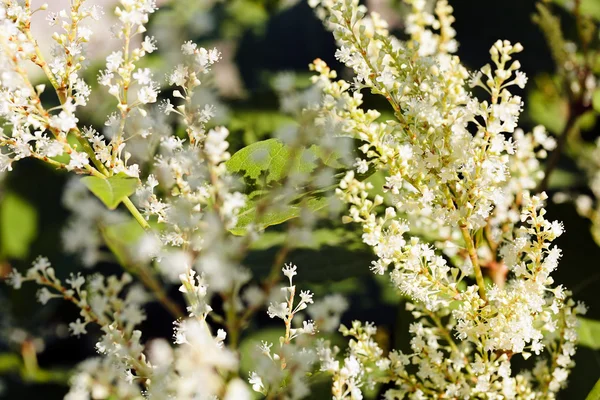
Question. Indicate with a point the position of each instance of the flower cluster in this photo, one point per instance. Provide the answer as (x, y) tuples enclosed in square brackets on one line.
[(449, 168), (35, 131), (100, 303), (282, 371), (188, 371), (456, 221)]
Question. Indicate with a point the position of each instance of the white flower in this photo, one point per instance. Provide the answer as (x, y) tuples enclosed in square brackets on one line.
[(15, 279), (52, 18), (78, 327), (63, 121), (114, 61), (179, 75), (147, 94), (43, 295), (5, 163), (306, 297), (521, 79), (78, 160), (188, 48), (289, 270), (215, 145), (557, 228), (76, 281), (279, 310), (361, 166), (96, 12), (149, 44), (143, 76), (308, 327), (256, 382)]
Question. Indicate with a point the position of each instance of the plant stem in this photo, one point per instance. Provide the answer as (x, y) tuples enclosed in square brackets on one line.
[(232, 323), (474, 260), (151, 283), (136, 213)]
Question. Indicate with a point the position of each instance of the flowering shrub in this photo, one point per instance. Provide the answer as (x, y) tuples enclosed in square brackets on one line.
[(456, 219)]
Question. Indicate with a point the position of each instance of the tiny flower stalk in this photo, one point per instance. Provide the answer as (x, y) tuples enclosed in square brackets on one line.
[(30, 361)]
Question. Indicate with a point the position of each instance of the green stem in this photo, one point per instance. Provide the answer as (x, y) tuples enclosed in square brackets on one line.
[(136, 214), (232, 324), (153, 284), (474, 260)]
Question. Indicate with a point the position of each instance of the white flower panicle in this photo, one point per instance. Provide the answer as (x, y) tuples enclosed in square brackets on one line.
[(197, 361), (284, 369), (457, 224), (42, 133), (100, 302), (450, 171), (33, 130), (197, 168)]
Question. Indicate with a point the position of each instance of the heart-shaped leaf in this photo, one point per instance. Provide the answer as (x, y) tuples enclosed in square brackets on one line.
[(112, 190)]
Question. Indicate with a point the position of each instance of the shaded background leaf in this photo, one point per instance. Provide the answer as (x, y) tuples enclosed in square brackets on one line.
[(18, 226)]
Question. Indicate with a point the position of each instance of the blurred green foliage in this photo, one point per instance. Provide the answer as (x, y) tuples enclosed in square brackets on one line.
[(18, 226)]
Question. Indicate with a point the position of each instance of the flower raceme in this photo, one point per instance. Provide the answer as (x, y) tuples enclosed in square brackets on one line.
[(451, 170)]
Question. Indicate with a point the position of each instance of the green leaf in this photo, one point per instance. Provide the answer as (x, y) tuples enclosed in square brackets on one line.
[(121, 237), (18, 221), (320, 237), (258, 157), (595, 393), (258, 124), (590, 8), (546, 107), (596, 100), (274, 217), (271, 158), (112, 190), (589, 333)]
